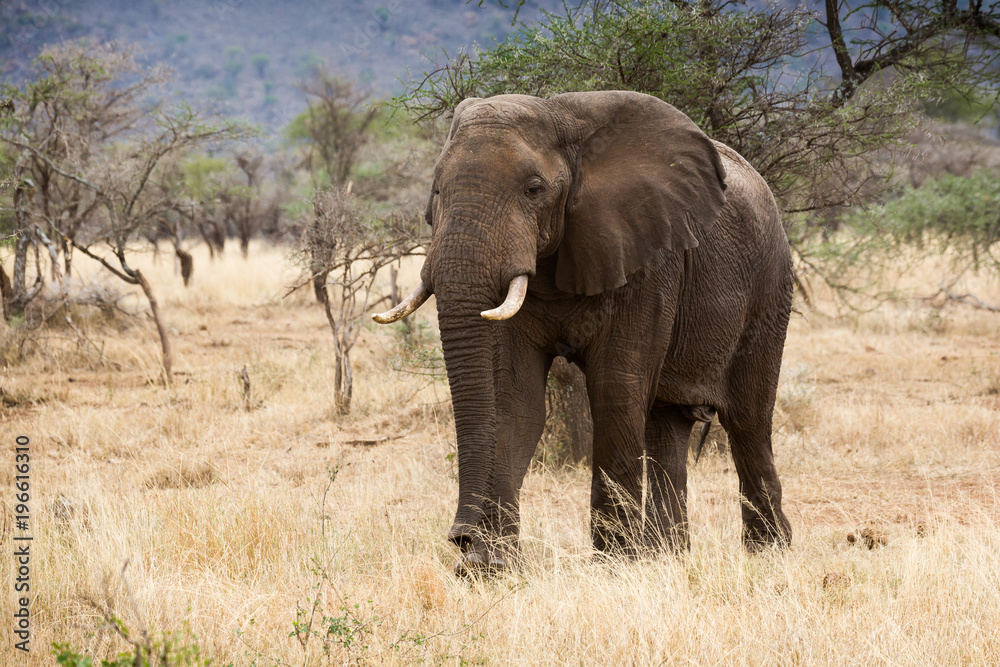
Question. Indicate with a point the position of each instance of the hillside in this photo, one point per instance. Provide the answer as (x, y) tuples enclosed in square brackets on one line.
[(243, 57)]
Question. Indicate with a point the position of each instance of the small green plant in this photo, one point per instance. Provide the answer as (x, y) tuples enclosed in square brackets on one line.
[(70, 658), (350, 628), (344, 631), (176, 649), (171, 650), (425, 362)]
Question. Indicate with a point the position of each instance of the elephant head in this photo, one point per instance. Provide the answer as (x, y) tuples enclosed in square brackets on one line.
[(600, 182)]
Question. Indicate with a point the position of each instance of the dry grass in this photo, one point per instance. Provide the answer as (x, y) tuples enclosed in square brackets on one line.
[(887, 432)]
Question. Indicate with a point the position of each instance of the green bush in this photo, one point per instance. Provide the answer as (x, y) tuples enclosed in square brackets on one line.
[(172, 650), (951, 212)]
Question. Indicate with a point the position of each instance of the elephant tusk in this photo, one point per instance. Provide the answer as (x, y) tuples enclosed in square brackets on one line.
[(405, 307), (515, 297)]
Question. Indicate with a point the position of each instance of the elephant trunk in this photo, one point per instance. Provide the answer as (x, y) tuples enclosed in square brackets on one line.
[(476, 276), (468, 353)]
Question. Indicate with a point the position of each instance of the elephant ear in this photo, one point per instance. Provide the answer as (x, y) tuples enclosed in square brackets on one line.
[(646, 179)]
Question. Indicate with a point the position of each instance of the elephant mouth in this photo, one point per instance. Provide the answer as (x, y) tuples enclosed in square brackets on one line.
[(516, 292)]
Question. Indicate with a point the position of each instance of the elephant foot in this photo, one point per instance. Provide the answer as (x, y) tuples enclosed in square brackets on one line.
[(486, 550), (626, 546), (473, 565), (760, 535)]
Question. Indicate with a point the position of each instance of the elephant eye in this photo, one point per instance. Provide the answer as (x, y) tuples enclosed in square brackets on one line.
[(534, 187)]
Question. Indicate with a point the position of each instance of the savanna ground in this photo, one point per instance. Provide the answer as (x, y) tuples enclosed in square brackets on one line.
[(887, 437)]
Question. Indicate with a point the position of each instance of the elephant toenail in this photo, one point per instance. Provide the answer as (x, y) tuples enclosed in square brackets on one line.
[(470, 565)]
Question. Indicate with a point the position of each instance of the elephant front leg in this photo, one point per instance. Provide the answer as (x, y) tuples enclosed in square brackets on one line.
[(520, 420), (667, 433)]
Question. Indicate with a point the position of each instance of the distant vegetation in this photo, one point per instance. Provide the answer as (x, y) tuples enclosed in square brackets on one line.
[(827, 145), (99, 158), (93, 168)]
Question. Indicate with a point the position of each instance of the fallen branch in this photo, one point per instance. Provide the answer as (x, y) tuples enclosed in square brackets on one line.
[(375, 441), (968, 299)]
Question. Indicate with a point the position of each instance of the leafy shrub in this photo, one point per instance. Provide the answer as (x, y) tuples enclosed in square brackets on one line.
[(172, 650), (951, 212)]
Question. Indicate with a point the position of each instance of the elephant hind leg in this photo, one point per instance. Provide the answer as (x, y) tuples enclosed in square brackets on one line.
[(747, 419), (764, 522), (668, 428)]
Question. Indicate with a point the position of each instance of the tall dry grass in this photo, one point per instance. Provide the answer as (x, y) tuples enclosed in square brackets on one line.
[(887, 440)]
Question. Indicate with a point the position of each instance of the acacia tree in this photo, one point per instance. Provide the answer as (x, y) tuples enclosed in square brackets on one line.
[(334, 126), (345, 249), (89, 135), (219, 200), (763, 79), (7, 226), (76, 104), (247, 218), (344, 244)]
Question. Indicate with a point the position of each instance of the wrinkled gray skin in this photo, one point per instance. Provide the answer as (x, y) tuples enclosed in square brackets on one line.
[(657, 263)]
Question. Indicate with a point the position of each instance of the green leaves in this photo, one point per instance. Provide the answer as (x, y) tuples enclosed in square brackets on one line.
[(171, 650), (950, 212)]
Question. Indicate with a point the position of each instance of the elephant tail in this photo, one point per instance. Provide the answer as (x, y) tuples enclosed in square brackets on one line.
[(704, 435)]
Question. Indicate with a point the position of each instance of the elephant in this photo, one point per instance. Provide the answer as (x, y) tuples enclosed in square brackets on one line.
[(613, 232)]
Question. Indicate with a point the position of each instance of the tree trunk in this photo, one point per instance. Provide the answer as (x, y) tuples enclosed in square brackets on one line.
[(211, 248), (187, 264), (569, 428), (246, 228), (15, 305), (6, 292), (343, 378), (343, 381), (67, 249), (393, 287), (160, 326), (394, 300)]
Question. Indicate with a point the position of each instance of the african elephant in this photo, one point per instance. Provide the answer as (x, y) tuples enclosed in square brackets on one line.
[(613, 232)]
